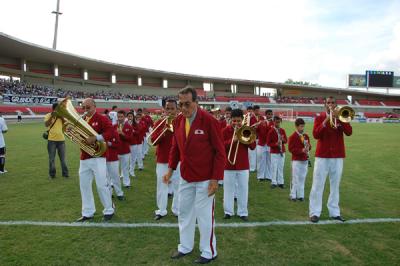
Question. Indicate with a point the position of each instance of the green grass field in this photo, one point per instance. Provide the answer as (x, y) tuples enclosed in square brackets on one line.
[(370, 188)]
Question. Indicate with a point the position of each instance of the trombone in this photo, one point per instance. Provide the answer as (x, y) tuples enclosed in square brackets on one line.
[(344, 113), (167, 124), (246, 134)]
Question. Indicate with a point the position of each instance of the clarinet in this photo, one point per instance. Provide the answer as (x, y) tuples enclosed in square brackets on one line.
[(306, 146), (279, 141)]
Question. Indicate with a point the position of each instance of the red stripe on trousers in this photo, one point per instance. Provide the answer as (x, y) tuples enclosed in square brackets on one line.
[(212, 230)]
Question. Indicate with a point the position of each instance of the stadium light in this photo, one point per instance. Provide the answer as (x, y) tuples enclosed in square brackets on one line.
[(57, 13)]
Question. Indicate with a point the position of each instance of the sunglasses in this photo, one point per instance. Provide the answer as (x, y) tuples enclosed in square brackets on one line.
[(330, 102)]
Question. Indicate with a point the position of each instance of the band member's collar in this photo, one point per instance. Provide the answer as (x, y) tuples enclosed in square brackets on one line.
[(191, 119), (87, 118)]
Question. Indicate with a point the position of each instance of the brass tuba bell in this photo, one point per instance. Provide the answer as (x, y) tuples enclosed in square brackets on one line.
[(77, 129)]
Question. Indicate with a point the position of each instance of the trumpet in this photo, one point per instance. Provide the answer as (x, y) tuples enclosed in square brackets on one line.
[(307, 146), (167, 124), (246, 134), (344, 113)]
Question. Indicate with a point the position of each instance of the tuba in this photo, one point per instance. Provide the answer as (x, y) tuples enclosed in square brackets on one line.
[(344, 113), (246, 134), (77, 129)]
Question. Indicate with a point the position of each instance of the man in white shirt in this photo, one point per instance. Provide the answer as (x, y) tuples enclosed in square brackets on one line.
[(113, 115), (3, 129)]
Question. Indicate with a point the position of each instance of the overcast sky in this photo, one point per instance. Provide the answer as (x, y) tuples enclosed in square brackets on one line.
[(316, 41)]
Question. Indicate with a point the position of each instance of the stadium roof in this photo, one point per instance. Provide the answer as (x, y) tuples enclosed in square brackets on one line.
[(14, 47)]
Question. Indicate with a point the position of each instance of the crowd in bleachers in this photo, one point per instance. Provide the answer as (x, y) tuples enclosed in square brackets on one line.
[(20, 88), (286, 99)]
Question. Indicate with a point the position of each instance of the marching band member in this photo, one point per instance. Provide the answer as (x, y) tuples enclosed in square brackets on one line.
[(198, 145), (269, 124), (252, 153), (237, 173), (227, 115), (329, 156), (95, 167), (276, 139), (135, 144), (163, 143), (149, 123), (262, 132), (125, 132), (113, 167), (142, 134), (299, 146)]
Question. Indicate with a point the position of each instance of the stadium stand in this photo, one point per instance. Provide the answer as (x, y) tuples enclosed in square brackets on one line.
[(369, 102), (391, 103)]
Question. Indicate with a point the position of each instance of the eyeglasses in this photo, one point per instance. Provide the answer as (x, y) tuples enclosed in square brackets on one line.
[(330, 102), (85, 107), (184, 104)]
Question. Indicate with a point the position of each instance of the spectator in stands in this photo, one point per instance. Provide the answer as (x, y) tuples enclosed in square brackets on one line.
[(55, 143), (21, 88)]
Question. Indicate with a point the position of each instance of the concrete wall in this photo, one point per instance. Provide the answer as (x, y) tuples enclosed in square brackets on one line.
[(222, 87), (152, 82), (248, 89), (40, 68)]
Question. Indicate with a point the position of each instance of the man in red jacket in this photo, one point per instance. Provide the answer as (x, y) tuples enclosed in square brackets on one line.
[(135, 144), (329, 156), (163, 143), (252, 153), (198, 145), (125, 132), (299, 146), (276, 139), (149, 123), (237, 173), (95, 167), (263, 156)]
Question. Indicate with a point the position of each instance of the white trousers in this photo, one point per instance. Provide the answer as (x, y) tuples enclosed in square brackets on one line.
[(231, 178), (196, 205), (299, 173), (322, 168), (162, 190), (175, 181), (145, 145), (124, 162), (89, 169), (136, 156), (277, 164), (252, 159), (268, 166), (261, 162), (113, 177)]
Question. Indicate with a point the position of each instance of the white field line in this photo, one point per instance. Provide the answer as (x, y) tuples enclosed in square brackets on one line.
[(174, 225)]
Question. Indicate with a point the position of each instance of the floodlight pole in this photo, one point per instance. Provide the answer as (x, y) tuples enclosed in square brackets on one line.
[(57, 13)]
